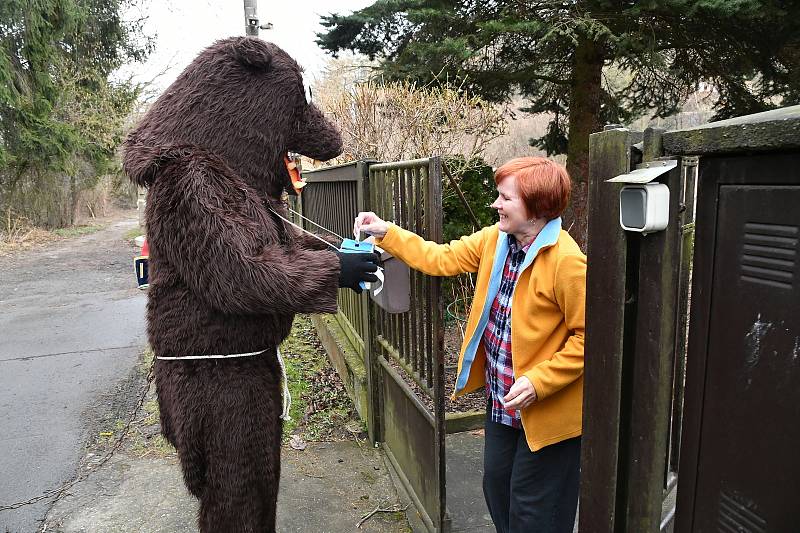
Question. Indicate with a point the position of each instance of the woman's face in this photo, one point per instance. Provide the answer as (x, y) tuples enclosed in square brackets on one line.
[(509, 205)]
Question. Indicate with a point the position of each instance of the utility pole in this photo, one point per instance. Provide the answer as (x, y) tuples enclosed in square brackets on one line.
[(251, 24)]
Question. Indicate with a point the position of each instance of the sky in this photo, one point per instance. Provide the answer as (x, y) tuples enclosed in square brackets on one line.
[(184, 27)]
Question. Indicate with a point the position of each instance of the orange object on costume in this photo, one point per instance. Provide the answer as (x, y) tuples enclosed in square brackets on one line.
[(294, 174)]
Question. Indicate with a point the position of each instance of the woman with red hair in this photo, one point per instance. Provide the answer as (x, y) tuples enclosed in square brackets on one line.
[(529, 361)]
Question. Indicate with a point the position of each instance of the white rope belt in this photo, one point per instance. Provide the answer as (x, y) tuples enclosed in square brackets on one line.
[(248, 354), (287, 396)]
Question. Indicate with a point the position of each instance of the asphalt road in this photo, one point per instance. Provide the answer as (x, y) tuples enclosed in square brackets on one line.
[(71, 331)]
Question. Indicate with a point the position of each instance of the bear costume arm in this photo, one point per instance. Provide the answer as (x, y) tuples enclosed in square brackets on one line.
[(226, 246)]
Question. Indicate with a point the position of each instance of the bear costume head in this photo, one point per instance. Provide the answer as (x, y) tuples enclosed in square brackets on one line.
[(243, 100)]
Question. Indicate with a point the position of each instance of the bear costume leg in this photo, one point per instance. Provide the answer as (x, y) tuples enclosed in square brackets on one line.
[(225, 418), (182, 425)]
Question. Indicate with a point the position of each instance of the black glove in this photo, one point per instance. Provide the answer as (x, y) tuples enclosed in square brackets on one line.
[(357, 267)]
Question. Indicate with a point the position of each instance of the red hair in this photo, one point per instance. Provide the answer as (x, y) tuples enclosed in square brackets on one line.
[(543, 184)]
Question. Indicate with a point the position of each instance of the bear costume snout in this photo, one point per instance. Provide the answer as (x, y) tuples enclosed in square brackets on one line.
[(314, 137)]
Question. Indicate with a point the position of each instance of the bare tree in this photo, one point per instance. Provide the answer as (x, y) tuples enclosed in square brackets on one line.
[(401, 120)]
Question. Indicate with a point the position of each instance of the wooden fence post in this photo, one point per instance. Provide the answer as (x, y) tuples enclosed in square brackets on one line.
[(609, 156), (653, 353), (632, 283)]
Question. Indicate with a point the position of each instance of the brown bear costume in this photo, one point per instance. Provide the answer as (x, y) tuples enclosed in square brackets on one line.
[(227, 275)]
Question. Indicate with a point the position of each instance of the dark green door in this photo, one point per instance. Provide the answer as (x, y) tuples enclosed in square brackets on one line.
[(744, 430)]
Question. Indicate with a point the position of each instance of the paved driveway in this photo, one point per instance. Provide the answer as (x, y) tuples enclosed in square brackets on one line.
[(71, 331)]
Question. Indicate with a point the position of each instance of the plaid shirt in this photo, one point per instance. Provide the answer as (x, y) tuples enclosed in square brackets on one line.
[(497, 339)]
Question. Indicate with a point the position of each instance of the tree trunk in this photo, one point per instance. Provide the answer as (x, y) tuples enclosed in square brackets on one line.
[(73, 198), (584, 119)]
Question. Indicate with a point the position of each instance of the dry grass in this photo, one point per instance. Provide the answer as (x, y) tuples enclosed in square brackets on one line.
[(17, 234)]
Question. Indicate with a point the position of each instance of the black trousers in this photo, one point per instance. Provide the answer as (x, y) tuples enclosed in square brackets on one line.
[(530, 492)]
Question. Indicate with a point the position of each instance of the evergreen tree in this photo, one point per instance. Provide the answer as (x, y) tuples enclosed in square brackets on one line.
[(558, 54), (60, 115)]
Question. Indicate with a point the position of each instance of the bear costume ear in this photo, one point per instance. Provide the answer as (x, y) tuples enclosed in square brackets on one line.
[(252, 53)]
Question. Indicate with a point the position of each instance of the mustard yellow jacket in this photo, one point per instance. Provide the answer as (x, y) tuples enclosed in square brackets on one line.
[(547, 318)]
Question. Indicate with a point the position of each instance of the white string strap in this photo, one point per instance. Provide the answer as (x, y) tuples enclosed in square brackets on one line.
[(378, 273), (287, 396), (304, 230), (313, 223)]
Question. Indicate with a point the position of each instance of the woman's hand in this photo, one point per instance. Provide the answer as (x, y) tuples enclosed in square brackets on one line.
[(521, 394), (371, 224)]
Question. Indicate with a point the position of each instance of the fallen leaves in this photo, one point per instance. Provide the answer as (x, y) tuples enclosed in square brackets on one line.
[(296, 442)]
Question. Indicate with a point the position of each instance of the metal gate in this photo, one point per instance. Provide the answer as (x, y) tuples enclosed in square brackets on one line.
[(392, 364), (407, 356)]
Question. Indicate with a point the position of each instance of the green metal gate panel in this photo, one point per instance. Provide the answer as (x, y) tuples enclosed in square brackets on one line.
[(408, 348)]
